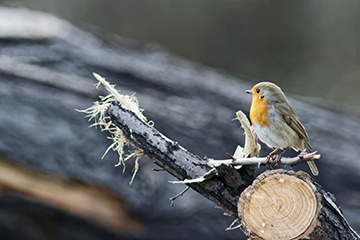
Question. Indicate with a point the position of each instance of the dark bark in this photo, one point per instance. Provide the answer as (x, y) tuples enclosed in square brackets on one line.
[(226, 187), (43, 80), (333, 223)]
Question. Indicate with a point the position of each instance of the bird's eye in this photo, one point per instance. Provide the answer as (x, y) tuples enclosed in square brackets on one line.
[(257, 90)]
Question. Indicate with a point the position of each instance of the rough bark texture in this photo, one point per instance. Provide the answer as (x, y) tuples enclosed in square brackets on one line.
[(224, 189), (333, 223), (189, 103)]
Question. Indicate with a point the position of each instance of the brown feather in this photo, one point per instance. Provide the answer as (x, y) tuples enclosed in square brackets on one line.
[(283, 108), (286, 110)]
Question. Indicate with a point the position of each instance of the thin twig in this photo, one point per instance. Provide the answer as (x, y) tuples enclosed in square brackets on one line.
[(158, 169), (172, 199), (302, 157)]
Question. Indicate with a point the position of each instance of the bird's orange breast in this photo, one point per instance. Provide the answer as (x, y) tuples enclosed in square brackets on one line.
[(259, 111)]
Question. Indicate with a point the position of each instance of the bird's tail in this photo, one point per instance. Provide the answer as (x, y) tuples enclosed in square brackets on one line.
[(311, 164), (313, 168), (308, 147)]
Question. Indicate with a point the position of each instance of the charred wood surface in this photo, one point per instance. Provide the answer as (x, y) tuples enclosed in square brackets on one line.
[(189, 103), (224, 189)]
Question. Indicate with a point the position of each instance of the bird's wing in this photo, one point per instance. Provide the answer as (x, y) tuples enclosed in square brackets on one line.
[(285, 111)]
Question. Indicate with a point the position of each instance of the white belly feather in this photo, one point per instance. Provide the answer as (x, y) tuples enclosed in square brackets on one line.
[(278, 134)]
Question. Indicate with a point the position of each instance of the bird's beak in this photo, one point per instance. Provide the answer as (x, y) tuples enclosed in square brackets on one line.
[(249, 91)]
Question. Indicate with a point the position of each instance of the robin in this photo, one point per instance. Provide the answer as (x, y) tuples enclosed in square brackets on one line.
[(276, 122)]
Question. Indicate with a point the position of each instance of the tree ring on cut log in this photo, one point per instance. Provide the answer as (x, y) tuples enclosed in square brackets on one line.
[(280, 205)]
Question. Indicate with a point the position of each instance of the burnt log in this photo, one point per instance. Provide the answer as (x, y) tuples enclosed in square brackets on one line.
[(46, 73), (279, 204)]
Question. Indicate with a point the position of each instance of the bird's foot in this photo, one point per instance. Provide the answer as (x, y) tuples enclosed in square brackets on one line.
[(268, 158), (271, 156), (277, 159)]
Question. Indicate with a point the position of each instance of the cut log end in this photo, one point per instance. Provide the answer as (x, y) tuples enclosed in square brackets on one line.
[(280, 205)]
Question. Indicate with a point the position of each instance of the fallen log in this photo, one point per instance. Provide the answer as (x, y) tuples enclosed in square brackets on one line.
[(79, 199), (46, 74), (279, 204)]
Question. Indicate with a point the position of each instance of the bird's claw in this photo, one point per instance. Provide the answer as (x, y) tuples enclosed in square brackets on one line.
[(277, 160), (268, 158)]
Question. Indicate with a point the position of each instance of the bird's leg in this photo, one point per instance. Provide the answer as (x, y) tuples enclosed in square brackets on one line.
[(271, 155), (277, 160), (232, 157)]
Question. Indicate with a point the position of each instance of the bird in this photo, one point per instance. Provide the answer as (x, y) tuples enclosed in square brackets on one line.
[(276, 123)]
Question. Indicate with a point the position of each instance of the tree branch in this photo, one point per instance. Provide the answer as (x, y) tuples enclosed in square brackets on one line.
[(224, 189), (302, 157), (219, 181), (221, 184)]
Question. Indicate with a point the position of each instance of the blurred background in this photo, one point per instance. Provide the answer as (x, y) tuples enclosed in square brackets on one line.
[(309, 48)]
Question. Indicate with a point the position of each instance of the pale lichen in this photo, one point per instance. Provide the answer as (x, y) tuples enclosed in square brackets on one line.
[(98, 112), (128, 102)]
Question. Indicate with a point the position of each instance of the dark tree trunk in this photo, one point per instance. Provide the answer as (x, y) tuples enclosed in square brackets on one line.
[(45, 74)]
